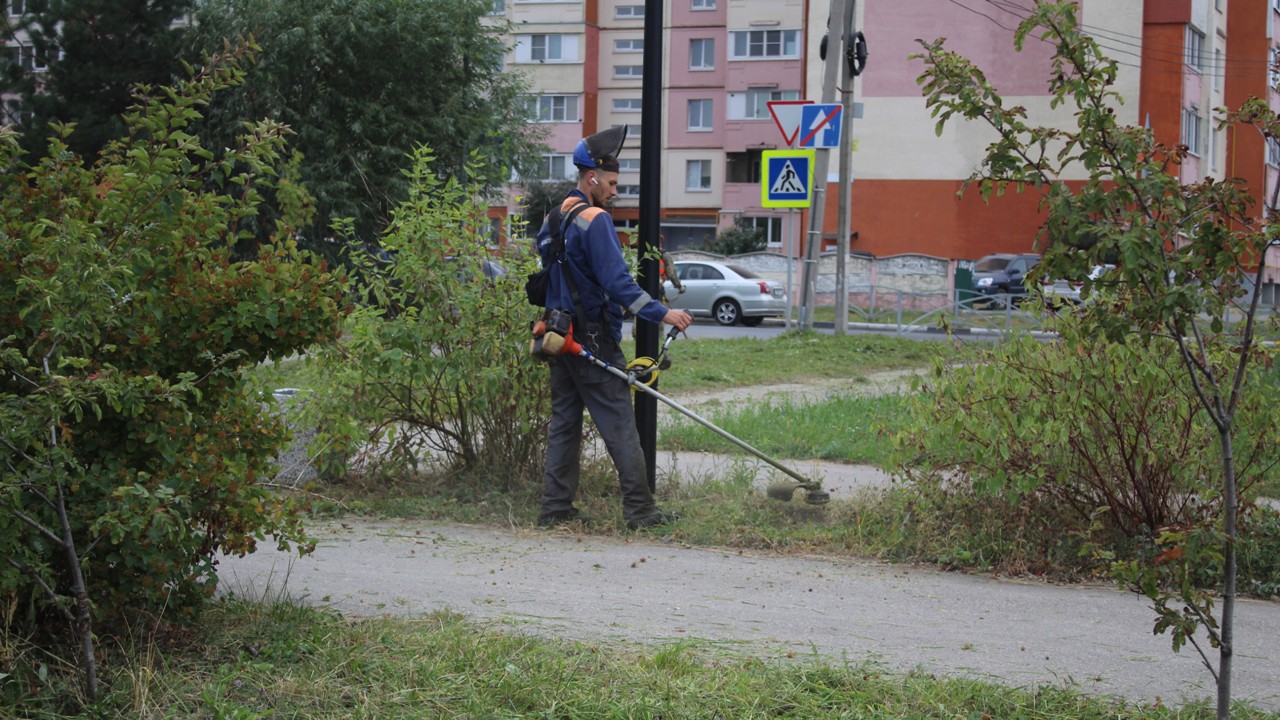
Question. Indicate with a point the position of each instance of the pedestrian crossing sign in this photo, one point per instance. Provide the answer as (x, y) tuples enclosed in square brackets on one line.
[(786, 178)]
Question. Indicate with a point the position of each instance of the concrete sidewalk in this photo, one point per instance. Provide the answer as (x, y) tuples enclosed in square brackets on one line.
[(641, 589)]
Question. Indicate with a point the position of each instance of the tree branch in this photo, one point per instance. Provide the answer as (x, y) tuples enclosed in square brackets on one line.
[(33, 523), (53, 596)]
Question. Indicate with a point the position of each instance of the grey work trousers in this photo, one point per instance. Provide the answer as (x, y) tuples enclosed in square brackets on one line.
[(577, 384)]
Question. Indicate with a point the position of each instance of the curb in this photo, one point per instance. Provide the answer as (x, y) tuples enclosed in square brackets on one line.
[(896, 330)]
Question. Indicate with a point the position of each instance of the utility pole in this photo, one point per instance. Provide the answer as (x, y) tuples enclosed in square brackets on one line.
[(821, 164), (846, 182)]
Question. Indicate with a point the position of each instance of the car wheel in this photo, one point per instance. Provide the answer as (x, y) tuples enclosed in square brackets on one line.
[(752, 321), (727, 312)]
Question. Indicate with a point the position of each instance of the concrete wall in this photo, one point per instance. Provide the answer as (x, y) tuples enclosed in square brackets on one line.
[(919, 282)]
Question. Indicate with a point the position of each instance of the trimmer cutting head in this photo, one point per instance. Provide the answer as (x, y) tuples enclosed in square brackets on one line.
[(784, 490)]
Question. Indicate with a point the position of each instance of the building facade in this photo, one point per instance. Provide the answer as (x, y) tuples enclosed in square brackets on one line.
[(725, 60)]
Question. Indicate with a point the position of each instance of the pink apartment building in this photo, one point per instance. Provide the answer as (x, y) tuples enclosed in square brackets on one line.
[(726, 59)]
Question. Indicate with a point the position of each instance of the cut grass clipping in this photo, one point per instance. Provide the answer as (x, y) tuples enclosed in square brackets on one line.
[(282, 660)]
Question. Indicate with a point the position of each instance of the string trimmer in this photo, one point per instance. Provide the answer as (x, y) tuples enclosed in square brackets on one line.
[(643, 373)]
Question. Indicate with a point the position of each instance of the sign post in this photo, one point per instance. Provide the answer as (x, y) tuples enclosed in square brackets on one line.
[(786, 181)]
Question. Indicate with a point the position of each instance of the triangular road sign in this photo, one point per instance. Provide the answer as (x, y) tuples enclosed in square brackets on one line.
[(786, 115)]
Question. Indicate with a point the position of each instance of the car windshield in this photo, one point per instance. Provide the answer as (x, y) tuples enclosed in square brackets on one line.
[(988, 265), (742, 271)]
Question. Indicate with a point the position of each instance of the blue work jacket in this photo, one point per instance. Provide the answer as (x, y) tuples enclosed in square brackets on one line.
[(594, 256)]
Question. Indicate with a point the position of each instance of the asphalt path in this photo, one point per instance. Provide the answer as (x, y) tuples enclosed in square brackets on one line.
[(640, 589)]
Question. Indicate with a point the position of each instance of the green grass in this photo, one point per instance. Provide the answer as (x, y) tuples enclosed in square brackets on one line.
[(701, 365), (846, 428), (255, 660)]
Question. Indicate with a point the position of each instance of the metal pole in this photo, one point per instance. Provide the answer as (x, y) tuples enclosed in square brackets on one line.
[(899, 312), (820, 165), (791, 245), (846, 180), (646, 409)]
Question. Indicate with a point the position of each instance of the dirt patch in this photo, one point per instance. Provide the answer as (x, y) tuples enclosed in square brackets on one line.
[(870, 385)]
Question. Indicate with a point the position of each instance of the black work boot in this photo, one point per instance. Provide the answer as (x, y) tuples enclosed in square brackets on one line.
[(653, 519), (562, 517)]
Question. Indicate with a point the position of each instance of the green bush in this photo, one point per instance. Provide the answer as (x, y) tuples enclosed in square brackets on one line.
[(1101, 431), (435, 370), (130, 452), (740, 239)]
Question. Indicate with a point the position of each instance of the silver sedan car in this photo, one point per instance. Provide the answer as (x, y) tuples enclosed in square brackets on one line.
[(728, 293)]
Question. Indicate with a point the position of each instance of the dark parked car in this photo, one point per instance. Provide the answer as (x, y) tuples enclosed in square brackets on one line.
[(1003, 274)]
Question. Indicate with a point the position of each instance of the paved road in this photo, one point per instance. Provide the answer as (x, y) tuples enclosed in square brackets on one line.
[(603, 589)]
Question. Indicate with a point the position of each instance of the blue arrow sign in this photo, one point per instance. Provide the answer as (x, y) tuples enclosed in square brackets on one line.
[(787, 180), (820, 126)]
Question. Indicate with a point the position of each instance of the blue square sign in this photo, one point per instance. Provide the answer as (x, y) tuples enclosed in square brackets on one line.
[(786, 179), (820, 126)]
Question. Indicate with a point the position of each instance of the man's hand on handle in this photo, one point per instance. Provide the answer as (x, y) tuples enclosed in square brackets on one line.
[(678, 318)]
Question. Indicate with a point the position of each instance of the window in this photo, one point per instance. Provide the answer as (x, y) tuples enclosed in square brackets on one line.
[(631, 45), (26, 57), (17, 7), (1195, 48), (629, 12), (629, 164), (697, 175), (1192, 130), (754, 44), (1273, 75), (554, 108), (556, 167), (546, 48), (497, 7), (754, 103), (495, 232), (771, 227), (628, 71), (628, 104), (742, 167), (629, 191), (700, 115), (703, 5), (702, 54), (698, 271)]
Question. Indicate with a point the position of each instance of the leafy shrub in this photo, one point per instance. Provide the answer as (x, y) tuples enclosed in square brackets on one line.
[(130, 451), (740, 239), (1088, 426), (435, 369)]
